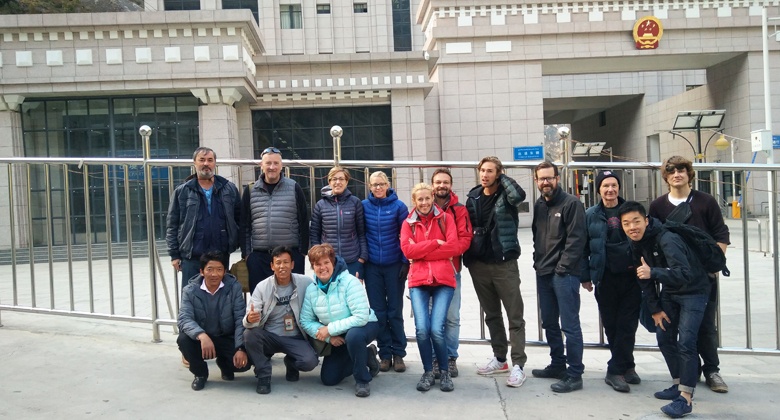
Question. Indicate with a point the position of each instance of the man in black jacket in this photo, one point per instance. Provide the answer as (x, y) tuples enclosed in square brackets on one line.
[(559, 248), (665, 260)]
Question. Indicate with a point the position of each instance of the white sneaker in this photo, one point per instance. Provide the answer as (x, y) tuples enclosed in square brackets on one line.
[(493, 367), (516, 378)]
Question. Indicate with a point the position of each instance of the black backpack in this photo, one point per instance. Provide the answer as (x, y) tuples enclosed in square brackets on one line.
[(703, 246)]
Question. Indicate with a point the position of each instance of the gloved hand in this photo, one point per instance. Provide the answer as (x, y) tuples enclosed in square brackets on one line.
[(404, 272)]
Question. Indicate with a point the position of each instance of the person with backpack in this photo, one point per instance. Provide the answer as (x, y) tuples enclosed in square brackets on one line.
[(685, 205), (663, 258), (612, 272), (429, 239)]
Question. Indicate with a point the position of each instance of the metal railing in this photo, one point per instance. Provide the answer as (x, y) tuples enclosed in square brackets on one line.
[(118, 296)]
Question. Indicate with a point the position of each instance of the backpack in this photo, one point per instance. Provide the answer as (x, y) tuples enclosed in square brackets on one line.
[(703, 246)]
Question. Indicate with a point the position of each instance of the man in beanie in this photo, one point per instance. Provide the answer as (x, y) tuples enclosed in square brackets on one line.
[(617, 290)]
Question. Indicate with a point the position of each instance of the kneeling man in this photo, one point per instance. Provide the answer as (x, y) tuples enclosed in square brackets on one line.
[(212, 306), (273, 322)]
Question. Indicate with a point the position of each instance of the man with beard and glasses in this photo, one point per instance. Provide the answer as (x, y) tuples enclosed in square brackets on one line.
[(492, 262), (445, 198), (559, 247), (203, 216)]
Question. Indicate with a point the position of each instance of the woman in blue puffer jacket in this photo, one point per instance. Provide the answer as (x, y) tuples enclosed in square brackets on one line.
[(386, 269)]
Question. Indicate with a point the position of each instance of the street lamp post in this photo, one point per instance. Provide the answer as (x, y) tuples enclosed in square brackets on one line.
[(696, 121)]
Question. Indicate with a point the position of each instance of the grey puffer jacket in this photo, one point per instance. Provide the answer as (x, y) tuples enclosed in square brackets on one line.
[(184, 210), (338, 220), (193, 311)]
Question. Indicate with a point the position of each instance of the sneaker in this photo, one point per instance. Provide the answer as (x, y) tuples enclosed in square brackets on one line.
[(677, 408), (631, 377), (617, 382), (567, 384), (436, 371), (398, 364), (426, 382), (445, 384), (452, 365), (263, 385), (516, 377), (668, 394), (384, 365), (716, 383), (555, 372), (362, 390), (493, 367), (292, 374), (372, 362)]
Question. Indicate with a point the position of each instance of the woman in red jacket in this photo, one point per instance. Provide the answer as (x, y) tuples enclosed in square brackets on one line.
[(429, 240)]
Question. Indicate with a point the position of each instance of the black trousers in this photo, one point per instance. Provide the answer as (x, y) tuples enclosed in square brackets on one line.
[(618, 297), (258, 263), (708, 334), (225, 347)]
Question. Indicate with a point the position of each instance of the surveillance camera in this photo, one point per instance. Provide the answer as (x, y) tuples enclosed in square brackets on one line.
[(145, 130), (563, 132), (336, 131)]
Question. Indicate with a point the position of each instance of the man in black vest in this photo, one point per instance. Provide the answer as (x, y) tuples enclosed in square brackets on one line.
[(273, 213)]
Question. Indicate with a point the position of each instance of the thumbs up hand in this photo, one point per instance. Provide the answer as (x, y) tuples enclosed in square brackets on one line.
[(252, 316), (643, 271)]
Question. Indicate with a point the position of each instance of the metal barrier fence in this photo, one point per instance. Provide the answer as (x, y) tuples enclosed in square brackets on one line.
[(40, 207)]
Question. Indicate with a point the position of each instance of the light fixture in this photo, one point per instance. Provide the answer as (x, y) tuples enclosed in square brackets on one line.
[(721, 143)]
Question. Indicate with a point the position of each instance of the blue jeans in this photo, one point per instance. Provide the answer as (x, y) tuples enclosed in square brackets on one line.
[(680, 352), (351, 357), (429, 321), (452, 327), (386, 297), (559, 297), (189, 269)]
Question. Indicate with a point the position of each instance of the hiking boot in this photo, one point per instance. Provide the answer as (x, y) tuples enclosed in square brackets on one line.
[(567, 384), (384, 365), (362, 390), (372, 362), (292, 374), (436, 371), (426, 382), (516, 377), (452, 366), (716, 383), (493, 367), (555, 372), (677, 408), (617, 382), (263, 385), (445, 384), (398, 364), (668, 394), (631, 377)]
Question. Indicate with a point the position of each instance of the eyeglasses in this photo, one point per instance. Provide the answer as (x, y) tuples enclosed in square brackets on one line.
[(546, 179), (679, 167), (378, 185), (339, 179), (270, 150)]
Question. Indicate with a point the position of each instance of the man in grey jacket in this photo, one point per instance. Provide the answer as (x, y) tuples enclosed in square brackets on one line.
[(273, 213), (273, 322), (203, 216), (212, 307), (559, 245)]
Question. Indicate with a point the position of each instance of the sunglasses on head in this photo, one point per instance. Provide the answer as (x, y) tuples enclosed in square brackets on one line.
[(270, 150), (679, 167)]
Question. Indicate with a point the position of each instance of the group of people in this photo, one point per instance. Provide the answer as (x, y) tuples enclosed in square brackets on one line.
[(363, 253)]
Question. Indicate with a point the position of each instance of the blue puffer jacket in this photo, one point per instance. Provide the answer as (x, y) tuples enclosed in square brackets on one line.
[(596, 251), (384, 218), (338, 220), (343, 306), (232, 307), (184, 210)]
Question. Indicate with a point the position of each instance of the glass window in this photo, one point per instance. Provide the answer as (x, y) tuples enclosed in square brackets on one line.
[(323, 9), (402, 26), (290, 15), (360, 7), (243, 4), (181, 4)]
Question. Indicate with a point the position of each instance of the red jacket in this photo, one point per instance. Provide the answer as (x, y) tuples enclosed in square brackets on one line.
[(430, 264), (461, 215)]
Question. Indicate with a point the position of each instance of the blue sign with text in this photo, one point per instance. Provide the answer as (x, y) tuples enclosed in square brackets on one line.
[(529, 153), (776, 142)]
